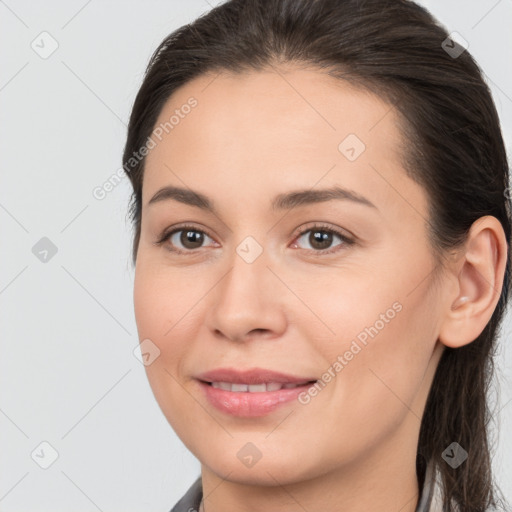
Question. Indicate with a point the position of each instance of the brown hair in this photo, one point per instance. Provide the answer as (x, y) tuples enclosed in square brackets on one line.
[(454, 149)]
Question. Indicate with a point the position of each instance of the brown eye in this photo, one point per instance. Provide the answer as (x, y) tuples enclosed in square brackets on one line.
[(184, 239), (321, 239), (191, 239)]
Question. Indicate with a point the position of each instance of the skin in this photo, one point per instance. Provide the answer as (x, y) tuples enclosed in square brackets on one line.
[(294, 310)]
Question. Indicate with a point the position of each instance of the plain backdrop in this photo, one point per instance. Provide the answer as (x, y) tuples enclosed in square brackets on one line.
[(74, 397)]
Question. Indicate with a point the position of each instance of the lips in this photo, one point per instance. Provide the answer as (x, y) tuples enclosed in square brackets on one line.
[(251, 393)]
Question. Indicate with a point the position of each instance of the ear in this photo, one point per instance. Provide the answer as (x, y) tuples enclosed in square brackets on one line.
[(479, 271)]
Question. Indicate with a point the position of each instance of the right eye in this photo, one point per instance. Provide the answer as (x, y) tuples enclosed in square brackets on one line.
[(190, 238)]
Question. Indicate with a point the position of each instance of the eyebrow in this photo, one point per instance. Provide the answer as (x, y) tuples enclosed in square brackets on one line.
[(285, 201)]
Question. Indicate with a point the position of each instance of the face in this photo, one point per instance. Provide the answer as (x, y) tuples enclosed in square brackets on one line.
[(281, 275)]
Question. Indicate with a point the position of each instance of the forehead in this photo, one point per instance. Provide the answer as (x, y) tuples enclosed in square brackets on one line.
[(278, 127)]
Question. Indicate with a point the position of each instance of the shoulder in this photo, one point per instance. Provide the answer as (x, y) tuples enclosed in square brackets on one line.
[(433, 494), (191, 499)]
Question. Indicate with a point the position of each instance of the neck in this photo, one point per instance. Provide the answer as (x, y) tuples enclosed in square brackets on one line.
[(383, 480)]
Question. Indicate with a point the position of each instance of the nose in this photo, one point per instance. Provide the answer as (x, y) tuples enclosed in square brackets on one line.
[(247, 303)]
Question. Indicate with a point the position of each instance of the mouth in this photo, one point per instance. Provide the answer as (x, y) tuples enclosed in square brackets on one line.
[(258, 395), (240, 387), (251, 392)]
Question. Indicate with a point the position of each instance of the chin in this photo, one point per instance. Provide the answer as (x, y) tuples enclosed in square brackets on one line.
[(267, 471)]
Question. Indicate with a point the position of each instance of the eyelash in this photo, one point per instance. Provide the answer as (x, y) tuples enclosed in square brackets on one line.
[(346, 241)]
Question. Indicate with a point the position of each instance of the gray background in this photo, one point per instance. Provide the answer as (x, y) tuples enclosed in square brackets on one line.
[(68, 373)]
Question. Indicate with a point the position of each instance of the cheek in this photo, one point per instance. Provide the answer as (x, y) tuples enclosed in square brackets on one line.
[(160, 306), (375, 388), (160, 300), (383, 339), (160, 313), (148, 305)]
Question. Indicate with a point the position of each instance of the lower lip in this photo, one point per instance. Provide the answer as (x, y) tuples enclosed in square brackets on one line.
[(247, 404)]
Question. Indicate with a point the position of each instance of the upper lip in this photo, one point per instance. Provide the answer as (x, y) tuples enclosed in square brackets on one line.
[(251, 376)]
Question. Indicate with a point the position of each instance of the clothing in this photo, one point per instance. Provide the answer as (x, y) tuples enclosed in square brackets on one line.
[(430, 499)]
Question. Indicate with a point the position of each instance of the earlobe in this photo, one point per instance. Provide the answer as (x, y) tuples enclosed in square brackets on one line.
[(479, 274)]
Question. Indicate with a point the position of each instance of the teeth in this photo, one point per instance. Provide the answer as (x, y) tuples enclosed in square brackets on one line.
[(253, 388)]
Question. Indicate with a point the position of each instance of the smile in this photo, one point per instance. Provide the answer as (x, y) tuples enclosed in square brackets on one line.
[(254, 388)]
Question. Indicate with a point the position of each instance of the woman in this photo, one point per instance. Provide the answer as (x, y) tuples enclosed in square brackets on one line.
[(321, 242)]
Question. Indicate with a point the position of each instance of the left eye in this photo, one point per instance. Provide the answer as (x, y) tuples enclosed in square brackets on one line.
[(321, 239)]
